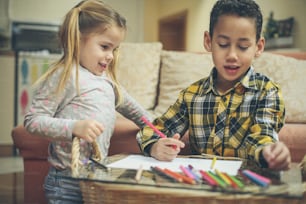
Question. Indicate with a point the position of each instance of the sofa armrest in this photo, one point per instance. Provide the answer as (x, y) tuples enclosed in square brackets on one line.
[(294, 136), (29, 145), (124, 137)]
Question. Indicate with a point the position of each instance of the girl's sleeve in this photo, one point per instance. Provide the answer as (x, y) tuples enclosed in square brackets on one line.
[(132, 110), (41, 118)]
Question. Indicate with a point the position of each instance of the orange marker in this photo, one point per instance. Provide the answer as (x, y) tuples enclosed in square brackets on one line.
[(185, 179), (223, 177)]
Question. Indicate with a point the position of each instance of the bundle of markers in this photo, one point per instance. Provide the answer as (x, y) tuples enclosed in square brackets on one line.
[(214, 178)]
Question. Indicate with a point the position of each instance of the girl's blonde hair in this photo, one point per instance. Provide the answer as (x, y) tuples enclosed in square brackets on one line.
[(87, 17)]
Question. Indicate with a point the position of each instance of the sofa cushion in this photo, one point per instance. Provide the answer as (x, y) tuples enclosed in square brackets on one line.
[(290, 74), (138, 71), (178, 71)]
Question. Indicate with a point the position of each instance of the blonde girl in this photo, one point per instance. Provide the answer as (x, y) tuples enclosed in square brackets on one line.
[(77, 98)]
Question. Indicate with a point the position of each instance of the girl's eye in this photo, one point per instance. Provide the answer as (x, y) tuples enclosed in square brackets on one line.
[(104, 47)]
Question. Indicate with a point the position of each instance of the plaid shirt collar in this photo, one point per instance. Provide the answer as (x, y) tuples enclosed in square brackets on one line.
[(247, 81)]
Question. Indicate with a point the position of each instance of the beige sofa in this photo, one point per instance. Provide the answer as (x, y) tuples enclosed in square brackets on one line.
[(155, 77)]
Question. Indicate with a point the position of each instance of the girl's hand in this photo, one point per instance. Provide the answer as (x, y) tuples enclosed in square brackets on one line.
[(166, 149), (277, 156), (88, 130)]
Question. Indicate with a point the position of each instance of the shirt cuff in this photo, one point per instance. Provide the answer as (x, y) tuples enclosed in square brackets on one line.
[(262, 161)]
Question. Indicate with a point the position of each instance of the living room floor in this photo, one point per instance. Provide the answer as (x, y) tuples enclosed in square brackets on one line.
[(11, 180)]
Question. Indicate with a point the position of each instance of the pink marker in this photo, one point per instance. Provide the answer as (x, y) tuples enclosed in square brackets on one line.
[(162, 135), (256, 178)]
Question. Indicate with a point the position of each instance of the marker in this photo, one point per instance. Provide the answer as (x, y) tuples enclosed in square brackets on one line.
[(162, 173), (213, 163), (139, 173), (207, 178), (224, 178), (162, 135), (187, 172), (264, 179), (100, 164), (217, 179), (185, 179), (236, 180), (195, 173), (174, 174), (256, 178)]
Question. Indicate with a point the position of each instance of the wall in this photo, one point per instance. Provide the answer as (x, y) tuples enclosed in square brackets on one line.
[(50, 12), (198, 18), (284, 9), (142, 17), (7, 98), (54, 11)]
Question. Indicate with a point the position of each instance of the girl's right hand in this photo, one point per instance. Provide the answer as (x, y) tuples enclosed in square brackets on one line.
[(88, 130)]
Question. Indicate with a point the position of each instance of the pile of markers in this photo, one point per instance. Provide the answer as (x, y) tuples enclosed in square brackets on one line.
[(214, 178)]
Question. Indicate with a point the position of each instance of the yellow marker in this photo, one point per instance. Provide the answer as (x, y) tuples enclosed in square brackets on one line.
[(213, 162), (223, 177)]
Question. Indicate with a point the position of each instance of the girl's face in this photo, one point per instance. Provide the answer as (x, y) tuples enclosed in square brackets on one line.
[(233, 46), (96, 50)]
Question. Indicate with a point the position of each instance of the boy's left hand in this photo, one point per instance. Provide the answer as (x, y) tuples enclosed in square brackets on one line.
[(277, 156)]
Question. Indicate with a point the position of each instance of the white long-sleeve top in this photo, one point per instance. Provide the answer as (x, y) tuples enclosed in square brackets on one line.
[(54, 116)]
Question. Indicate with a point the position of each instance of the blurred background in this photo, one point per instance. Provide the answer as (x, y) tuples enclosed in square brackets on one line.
[(178, 24)]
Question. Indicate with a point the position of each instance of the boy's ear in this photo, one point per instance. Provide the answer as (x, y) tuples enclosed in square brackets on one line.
[(260, 47), (207, 41)]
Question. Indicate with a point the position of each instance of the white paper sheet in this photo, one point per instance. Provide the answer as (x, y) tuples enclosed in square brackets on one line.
[(135, 161)]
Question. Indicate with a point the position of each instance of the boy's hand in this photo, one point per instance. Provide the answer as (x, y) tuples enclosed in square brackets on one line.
[(87, 129), (166, 149), (277, 156)]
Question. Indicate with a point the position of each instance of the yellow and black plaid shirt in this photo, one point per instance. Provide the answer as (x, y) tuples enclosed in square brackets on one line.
[(237, 123)]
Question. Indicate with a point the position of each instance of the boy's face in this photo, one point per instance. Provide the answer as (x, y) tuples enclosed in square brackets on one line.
[(233, 46)]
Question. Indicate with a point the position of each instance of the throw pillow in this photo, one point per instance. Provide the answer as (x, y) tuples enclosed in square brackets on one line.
[(290, 74), (178, 71), (138, 71)]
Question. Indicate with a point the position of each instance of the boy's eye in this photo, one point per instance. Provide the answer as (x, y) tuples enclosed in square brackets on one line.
[(223, 45), (243, 47)]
